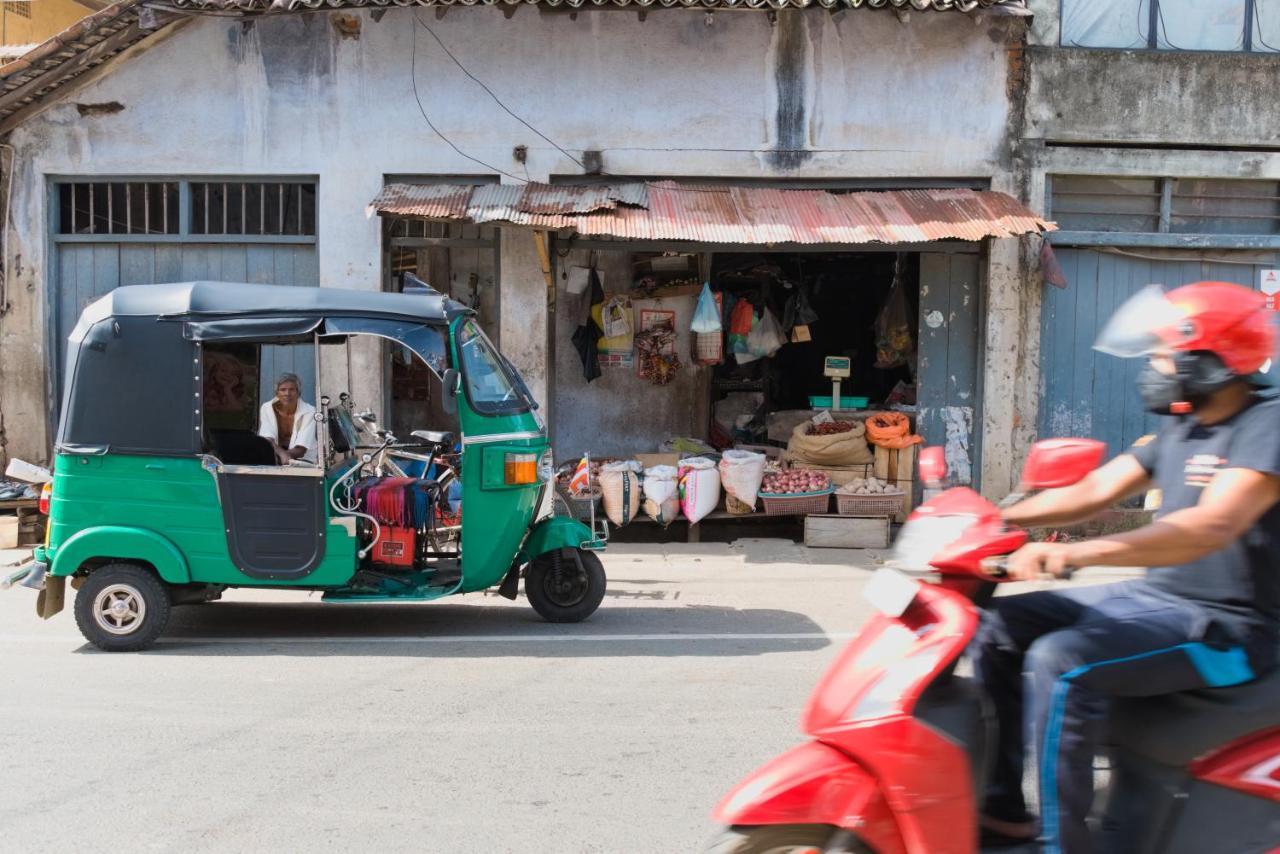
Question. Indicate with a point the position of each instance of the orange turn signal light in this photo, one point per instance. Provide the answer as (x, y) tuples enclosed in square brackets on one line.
[(521, 468)]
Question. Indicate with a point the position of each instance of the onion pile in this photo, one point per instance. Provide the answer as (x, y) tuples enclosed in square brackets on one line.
[(829, 428), (796, 482)]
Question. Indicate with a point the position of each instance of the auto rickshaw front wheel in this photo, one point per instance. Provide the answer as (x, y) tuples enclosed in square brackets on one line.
[(122, 607), (565, 586)]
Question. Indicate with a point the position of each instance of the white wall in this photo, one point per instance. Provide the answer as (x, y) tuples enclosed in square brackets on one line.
[(860, 95)]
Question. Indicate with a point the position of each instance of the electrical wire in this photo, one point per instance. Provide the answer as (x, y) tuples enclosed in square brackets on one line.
[(495, 98), (413, 74)]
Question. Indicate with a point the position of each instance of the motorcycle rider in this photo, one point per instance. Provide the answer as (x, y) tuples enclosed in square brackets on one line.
[(1207, 613)]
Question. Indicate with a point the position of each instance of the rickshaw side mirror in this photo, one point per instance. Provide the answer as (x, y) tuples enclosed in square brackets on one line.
[(449, 381), (1055, 463)]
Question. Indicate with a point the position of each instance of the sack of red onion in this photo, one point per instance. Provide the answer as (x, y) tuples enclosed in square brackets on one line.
[(796, 482)]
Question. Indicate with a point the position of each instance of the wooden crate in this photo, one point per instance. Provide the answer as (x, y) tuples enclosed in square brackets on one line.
[(898, 467), (846, 532), (30, 521), (8, 531)]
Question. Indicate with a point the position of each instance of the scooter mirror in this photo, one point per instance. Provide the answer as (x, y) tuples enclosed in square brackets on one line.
[(449, 382), (933, 465), (1055, 463)]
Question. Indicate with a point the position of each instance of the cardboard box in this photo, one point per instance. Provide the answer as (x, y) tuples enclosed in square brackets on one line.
[(898, 467), (651, 460)]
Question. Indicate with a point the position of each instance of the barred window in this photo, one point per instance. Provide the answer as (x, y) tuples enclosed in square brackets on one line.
[(1165, 205), (118, 207), (21, 8), (253, 207)]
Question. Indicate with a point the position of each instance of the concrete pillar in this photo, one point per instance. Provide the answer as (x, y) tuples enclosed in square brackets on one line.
[(1011, 374), (523, 311)]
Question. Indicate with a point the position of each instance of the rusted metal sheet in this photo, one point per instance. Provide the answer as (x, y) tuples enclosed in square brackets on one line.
[(1014, 7), (709, 214), (429, 201)]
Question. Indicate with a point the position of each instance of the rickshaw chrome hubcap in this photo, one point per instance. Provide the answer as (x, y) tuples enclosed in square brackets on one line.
[(119, 609)]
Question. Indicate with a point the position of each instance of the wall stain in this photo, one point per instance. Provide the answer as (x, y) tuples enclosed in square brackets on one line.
[(791, 54)]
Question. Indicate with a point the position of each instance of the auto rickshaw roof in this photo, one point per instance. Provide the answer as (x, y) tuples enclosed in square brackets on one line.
[(198, 300)]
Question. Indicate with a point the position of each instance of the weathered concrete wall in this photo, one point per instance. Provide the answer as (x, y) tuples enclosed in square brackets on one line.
[(619, 413), (812, 96), (1080, 95)]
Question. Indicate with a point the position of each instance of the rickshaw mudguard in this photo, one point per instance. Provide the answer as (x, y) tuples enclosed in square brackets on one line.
[(556, 532), (122, 543)]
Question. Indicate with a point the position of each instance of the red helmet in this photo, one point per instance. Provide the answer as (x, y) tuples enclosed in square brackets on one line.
[(1230, 321)]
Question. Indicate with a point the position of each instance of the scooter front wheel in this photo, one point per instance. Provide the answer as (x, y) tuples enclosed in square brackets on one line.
[(786, 839)]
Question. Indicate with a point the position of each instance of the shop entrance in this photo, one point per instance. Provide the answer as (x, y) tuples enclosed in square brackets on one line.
[(920, 358), (861, 306)]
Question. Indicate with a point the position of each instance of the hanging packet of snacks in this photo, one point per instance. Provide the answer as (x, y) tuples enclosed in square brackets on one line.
[(616, 317), (655, 344)]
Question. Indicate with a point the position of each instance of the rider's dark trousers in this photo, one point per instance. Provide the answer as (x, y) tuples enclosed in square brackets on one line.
[(1051, 660)]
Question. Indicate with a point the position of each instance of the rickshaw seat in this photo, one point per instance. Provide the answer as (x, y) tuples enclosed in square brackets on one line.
[(242, 448)]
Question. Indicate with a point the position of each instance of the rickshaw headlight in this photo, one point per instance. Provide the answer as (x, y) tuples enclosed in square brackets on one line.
[(521, 469)]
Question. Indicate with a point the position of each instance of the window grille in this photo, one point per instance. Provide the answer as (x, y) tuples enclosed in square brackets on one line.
[(253, 208), (1166, 205), (118, 207), (1087, 203), (21, 8)]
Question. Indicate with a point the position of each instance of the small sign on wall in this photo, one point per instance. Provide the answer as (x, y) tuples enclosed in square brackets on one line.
[(1270, 281)]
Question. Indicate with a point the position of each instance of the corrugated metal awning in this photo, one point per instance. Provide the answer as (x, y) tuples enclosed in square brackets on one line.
[(671, 211)]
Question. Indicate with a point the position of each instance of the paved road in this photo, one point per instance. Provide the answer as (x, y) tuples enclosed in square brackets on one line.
[(271, 722)]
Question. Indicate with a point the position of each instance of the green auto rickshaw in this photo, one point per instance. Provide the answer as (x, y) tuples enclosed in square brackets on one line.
[(164, 493)]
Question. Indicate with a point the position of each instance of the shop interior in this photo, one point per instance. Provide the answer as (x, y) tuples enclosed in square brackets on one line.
[(859, 301)]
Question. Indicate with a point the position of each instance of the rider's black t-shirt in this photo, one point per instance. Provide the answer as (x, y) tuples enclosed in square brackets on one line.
[(1238, 584)]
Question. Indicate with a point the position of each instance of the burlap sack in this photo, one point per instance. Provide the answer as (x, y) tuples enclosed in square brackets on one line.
[(838, 449)]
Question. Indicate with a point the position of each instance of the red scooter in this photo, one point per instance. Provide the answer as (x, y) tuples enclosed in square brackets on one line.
[(901, 744)]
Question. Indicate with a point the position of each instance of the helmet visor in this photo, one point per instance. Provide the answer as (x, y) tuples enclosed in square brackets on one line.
[(1141, 326)]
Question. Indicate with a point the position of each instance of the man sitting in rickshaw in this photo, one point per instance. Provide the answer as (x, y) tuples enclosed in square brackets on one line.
[(288, 422)]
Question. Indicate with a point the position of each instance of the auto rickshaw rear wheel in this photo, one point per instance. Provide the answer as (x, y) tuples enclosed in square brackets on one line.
[(122, 607), (562, 589)]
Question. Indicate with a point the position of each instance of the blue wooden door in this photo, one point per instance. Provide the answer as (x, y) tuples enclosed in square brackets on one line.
[(947, 379), (1086, 393), (87, 271)]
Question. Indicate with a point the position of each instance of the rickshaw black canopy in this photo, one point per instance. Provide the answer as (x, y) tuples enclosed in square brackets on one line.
[(133, 370)]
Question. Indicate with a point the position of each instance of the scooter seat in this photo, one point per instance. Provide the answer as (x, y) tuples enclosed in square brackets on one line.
[(1174, 729)]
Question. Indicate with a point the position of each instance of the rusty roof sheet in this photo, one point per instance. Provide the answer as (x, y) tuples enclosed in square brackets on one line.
[(672, 211), (1016, 7)]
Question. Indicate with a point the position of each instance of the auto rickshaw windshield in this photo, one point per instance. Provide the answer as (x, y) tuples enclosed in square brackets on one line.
[(492, 387)]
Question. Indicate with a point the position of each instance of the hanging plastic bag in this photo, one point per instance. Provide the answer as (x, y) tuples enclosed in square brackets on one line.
[(741, 320), (893, 330), (706, 317), (766, 337), (798, 311)]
